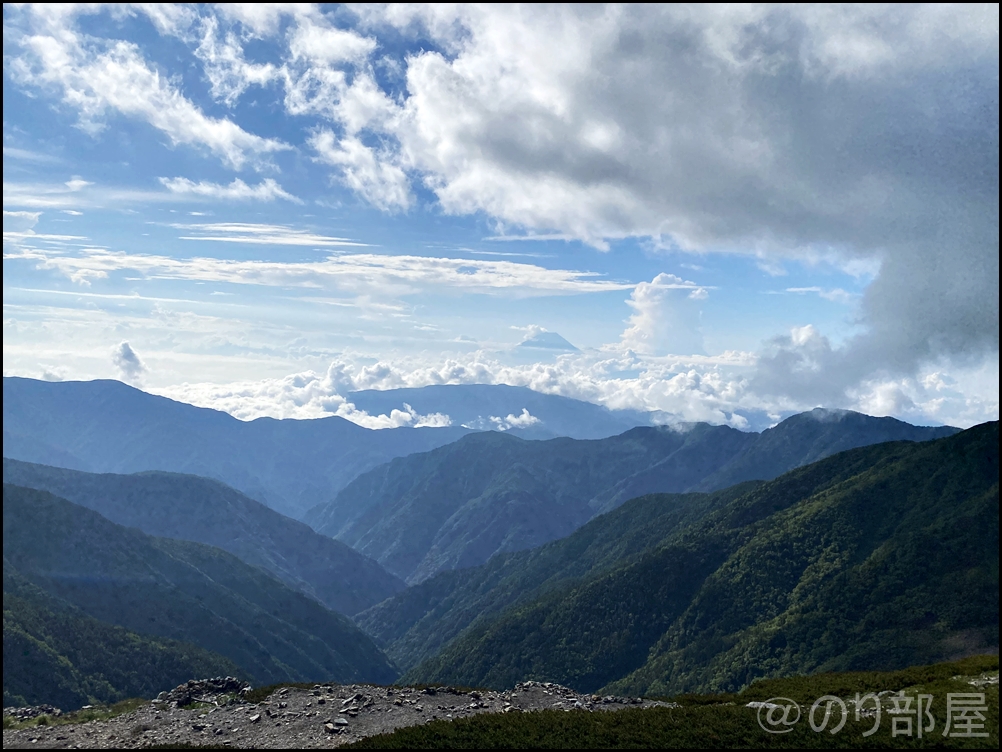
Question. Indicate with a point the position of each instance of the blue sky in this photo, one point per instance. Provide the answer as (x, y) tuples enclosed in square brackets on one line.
[(729, 213)]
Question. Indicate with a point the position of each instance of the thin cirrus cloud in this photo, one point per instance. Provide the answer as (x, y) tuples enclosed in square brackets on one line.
[(260, 234), (836, 295), (352, 272), (267, 190)]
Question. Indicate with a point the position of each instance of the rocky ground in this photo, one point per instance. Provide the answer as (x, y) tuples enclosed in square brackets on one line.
[(217, 712)]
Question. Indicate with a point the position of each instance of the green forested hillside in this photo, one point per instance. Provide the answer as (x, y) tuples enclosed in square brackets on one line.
[(415, 624), (183, 591), (54, 653), (875, 558), (489, 493), (186, 507)]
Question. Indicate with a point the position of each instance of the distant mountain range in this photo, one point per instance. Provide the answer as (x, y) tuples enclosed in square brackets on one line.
[(880, 557), (458, 505), (178, 590), (109, 427), (186, 507), (290, 465)]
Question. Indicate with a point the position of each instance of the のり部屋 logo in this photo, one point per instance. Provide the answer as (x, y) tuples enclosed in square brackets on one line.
[(911, 715), (777, 715)]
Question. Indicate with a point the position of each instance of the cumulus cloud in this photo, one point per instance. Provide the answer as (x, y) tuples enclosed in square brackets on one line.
[(523, 420), (303, 395), (55, 373), (720, 390), (696, 388), (666, 317), (863, 134), (870, 133), (130, 366), (19, 221)]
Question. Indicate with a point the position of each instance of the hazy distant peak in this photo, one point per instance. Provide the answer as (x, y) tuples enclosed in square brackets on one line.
[(543, 340)]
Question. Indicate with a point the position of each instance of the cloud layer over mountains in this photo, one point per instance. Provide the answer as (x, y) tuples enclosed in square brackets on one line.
[(862, 137)]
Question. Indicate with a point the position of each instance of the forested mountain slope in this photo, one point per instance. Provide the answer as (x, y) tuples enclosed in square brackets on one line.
[(182, 591), (186, 507), (879, 557), (458, 505), (53, 653)]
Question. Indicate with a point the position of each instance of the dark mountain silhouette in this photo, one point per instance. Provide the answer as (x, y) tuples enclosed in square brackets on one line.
[(183, 591), (186, 507)]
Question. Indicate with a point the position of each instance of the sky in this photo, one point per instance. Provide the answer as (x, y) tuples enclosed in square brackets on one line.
[(720, 213)]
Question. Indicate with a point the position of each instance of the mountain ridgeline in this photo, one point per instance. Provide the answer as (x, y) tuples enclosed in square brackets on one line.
[(658, 560), (109, 427), (290, 465), (186, 507), (875, 558), (488, 493)]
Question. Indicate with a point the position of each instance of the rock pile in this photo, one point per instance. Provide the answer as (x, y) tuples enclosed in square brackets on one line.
[(24, 714), (210, 691)]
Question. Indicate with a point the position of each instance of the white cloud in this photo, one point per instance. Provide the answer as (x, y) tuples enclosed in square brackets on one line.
[(357, 273), (10, 152), (77, 194), (263, 20), (836, 295), (238, 190), (229, 74), (710, 128), (524, 420), (327, 44), (702, 128), (77, 183), (173, 19), (95, 77), (665, 318), (379, 181), (717, 390), (55, 373), (19, 221), (261, 234)]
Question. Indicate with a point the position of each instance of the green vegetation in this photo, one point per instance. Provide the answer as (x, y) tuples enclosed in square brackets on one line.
[(186, 507), (724, 721), (416, 624), (54, 653), (880, 557), (180, 591), (490, 493), (84, 715)]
